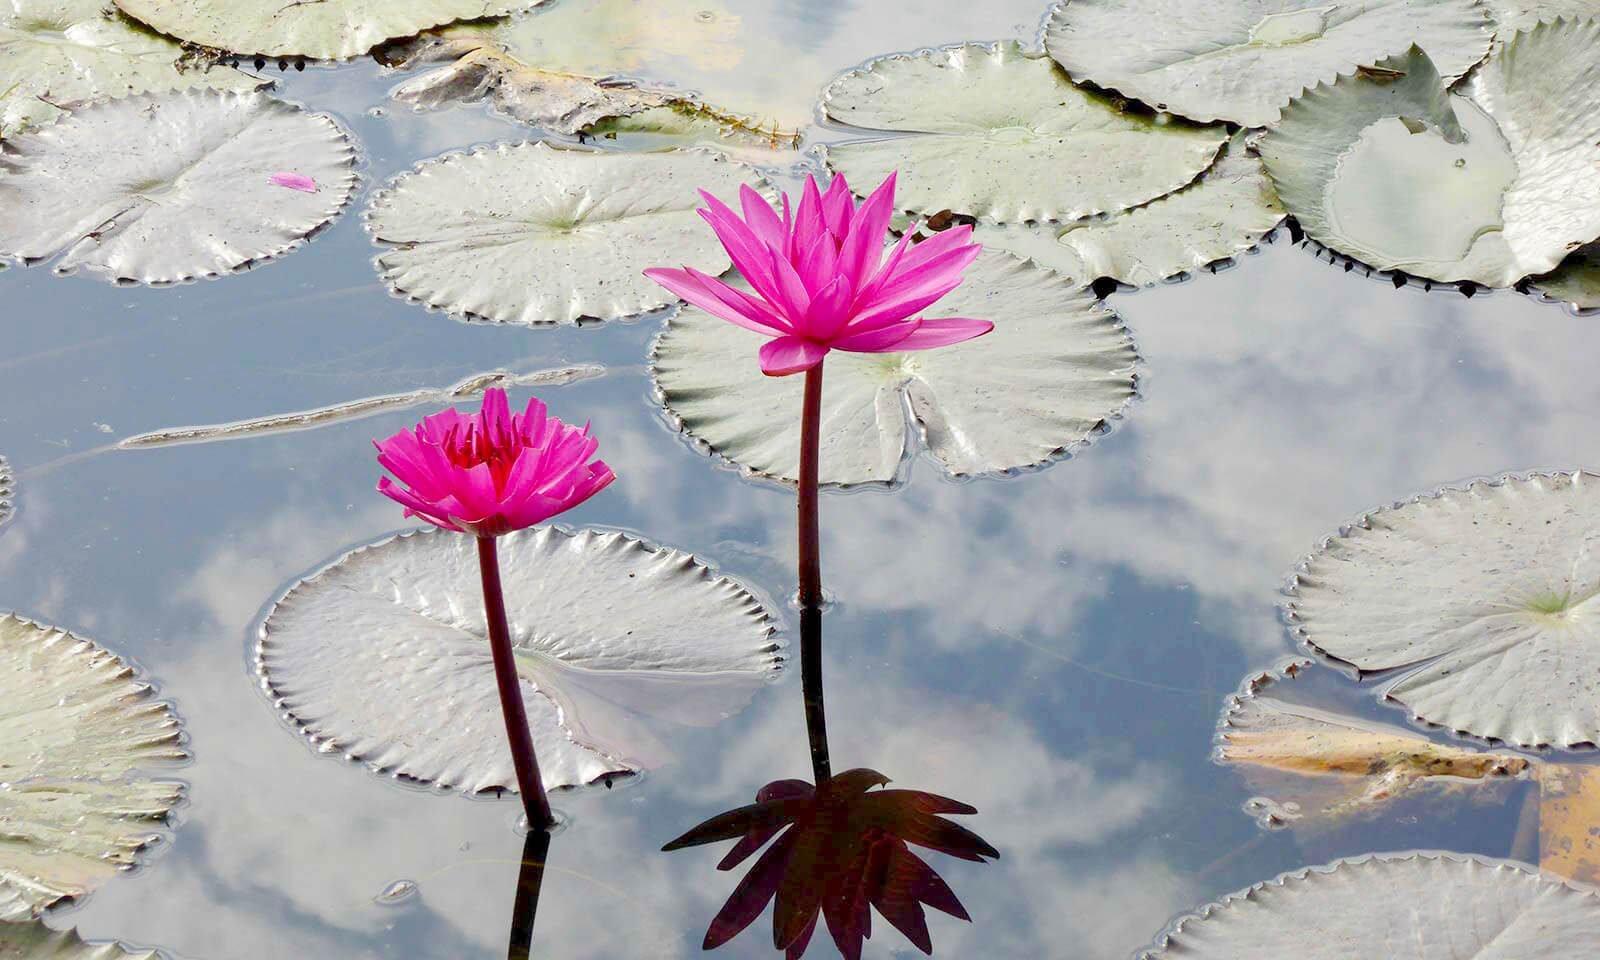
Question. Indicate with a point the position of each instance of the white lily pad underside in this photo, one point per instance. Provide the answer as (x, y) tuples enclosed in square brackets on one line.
[(1486, 595), (1576, 281), (382, 656), (76, 726), (1425, 906), (323, 29), (1491, 184), (990, 131), (1056, 371), (1223, 214), (8, 490), (32, 940), (529, 233), (165, 188), (57, 53), (1242, 60)]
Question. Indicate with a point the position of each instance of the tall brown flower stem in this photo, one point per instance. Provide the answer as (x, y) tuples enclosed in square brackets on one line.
[(811, 575), (534, 802), (535, 851)]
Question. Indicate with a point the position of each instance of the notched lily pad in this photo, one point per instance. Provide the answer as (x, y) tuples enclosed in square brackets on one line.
[(76, 726), (1317, 766), (55, 54), (8, 490), (1416, 907), (990, 131), (32, 940), (1242, 60), (323, 29), (1056, 370), (1510, 16), (1489, 186), (1223, 214), (165, 188), (1576, 281), (381, 656), (529, 233), (1484, 595)]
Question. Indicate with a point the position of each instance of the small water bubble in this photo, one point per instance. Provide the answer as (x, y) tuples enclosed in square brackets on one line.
[(397, 892), (706, 16), (465, 846)]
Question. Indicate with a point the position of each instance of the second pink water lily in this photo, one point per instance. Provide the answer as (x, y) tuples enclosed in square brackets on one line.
[(821, 280)]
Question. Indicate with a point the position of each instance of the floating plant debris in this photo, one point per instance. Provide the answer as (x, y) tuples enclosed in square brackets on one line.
[(1055, 371), (1491, 184), (1483, 595), (32, 940), (990, 131), (529, 233), (1242, 60), (8, 490), (164, 188), (58, 54), (381, 655), (1415, 907), (75, 723)]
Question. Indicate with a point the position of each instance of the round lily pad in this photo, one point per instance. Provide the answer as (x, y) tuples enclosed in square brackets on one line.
[(76, 728), (1224, 213), (1490, 185), (382, 657), (164, 188), (56, 53), (1485, 595), (8, 489), (32, 940), (1509, 16), (529, 233), (1055, 371), (1576, 281), (1242, 60), (324, 29), (1425, 906), (990, 131)]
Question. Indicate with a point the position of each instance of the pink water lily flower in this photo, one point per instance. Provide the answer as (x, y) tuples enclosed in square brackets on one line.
[(821, 280), (491, 473)]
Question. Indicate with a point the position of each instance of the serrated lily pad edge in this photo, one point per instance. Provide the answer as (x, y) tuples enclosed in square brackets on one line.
[(328, 746)]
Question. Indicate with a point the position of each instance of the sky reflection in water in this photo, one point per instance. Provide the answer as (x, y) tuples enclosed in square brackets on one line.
[(1052, 649)]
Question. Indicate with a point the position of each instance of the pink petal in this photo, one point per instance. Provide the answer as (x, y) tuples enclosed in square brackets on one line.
[(943, 331), (837, 206), (829, 310), (794, 298), (758, 310), (746, 252), (761, 219), (863, 247), (787, 355), (808, 223), (818, 264), (887, 311), (294, 181), (885, 339), (885, 272), (937, 245), (691, 288)]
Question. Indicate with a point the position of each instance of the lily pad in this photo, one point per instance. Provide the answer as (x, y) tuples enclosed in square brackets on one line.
[(323, 29), (529, 233), (1509, 16), (1486, 597), (1491, 186), (1223, 214), (57, 53), (75, 727), (1576, 281), (381, 656), (32, 940), (8, 489), (1425, 906), (164, 188), (1242, 60), (1056, 370), (993, 132)]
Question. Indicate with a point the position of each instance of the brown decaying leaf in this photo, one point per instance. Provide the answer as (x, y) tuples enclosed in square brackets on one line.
[(1569, 821)]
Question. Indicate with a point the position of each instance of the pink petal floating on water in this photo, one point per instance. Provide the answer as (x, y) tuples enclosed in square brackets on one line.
[(295, 181)]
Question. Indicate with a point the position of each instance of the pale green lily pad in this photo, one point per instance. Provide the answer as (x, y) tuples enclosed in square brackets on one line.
[(1390, 169), (1510, 16), (381, 656), (1055, 372), (1243, 60), (32, 940), (1422, 906), (1576, 281), (8, 490), (990, 131), (1485, 595), (76, 725), (166, 188), (323, 29), (1223, 214), (529, 233), (57, 53)]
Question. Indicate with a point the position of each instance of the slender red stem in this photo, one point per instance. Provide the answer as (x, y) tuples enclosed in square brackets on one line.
[(811, 577), (534, 802)]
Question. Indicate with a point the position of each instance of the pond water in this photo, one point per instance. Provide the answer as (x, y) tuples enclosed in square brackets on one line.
[(1054, 648)]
